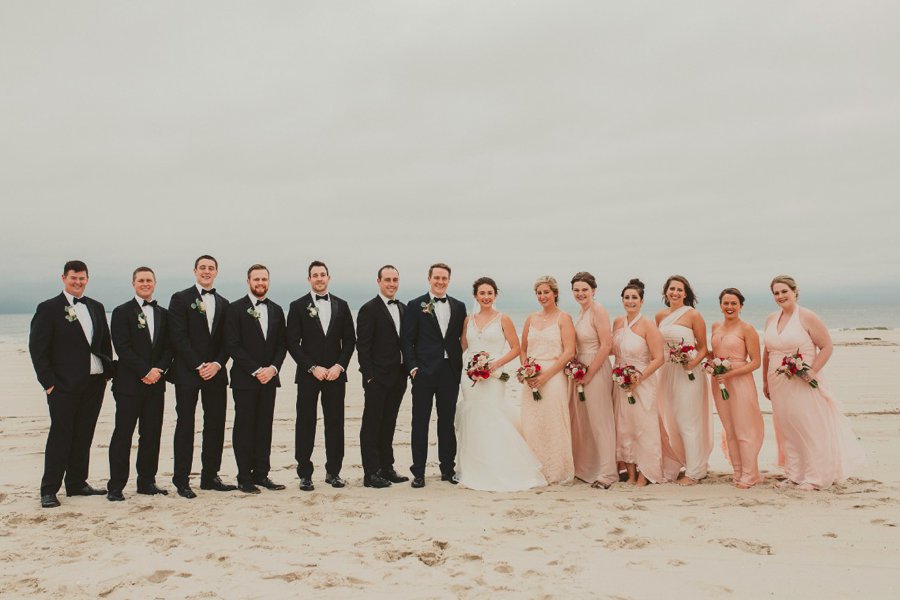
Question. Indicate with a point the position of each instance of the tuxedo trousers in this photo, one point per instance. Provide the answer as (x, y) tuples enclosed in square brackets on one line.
[(332, 395), (252, 434), (379, 420), (439, 389), (144, 411), (73, 418), (214, 399)]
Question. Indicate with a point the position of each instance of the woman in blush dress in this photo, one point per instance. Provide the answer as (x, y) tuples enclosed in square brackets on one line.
[(816, 446), (549, 338), (491, 453), (640, 441), (593, 419), (684, 404), (742, 421)]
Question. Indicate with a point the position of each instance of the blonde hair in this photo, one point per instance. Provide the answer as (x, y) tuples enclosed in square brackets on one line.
[(786, 280), (551, 282)]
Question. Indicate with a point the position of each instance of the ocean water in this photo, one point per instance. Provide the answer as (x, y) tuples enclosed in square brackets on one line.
[(14, 327)]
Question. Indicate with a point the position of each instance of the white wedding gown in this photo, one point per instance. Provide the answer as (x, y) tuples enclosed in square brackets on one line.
[(491, 453)]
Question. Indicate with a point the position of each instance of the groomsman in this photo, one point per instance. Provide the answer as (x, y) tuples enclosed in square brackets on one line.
[(254, 338), (384, 379), (140, 336), (432, 328), (196, 324), (321, 339), (72, 355)]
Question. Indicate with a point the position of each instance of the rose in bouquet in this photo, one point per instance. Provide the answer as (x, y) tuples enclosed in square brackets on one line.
[(479, 368), (718, 366), (625, 377), (529, 370), (682, 353), (576, 370), (794, 365)]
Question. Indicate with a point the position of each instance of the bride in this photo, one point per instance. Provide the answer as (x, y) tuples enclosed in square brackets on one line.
[(491, 453)]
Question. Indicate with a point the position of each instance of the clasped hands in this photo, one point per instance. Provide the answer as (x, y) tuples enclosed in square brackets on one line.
[(153, 376), (323, 374)]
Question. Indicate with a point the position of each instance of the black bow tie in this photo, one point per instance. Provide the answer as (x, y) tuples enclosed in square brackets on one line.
[(325, 297), (150, 303), (444, 299), (395, 301), (263, 301), (77, 300), (209, 291)]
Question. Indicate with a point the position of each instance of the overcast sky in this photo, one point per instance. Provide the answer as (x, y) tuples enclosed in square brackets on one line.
[(728, 142)]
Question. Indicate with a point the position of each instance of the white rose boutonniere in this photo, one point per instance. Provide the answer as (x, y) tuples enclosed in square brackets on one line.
[(199, 306), (142, 320), (253, 313), (428, 307), (313, 311), (71, 315)]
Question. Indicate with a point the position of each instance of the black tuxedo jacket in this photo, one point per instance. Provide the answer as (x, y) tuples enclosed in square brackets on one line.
[(377, 343), (311, 346), (422, 342), (59, 351), (137, 354), (192, 340), (248, 349)]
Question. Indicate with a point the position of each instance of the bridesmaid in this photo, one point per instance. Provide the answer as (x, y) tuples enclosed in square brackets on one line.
[(593, 419), (684, 403), (742, 421), (816, 446), (549, 338), (637, 342)]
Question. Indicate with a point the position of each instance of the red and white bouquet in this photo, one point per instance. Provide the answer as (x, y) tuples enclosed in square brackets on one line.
[(682, 353), (625, 377), (718, 366), (794, 365), (576, 370), (529, 370), (478, 368)]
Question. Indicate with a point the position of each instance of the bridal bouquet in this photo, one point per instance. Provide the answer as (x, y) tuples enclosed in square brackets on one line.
[(682, 353), (529, 370), (624, 377), (478, 368), (718, 366), (794, 365), (575, 370)]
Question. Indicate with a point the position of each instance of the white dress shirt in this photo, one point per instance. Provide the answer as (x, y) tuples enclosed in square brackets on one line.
[(324, 308), (87, 325), (263, 310), (148, 315), (442, 312), (209, 301), (394, 310)]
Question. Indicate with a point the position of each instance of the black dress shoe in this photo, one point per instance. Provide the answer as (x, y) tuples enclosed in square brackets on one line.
[(451, 478), (306, 484), (376, 481), (217, 485), (85, 490), (248, 488), (151, 489), (114, 496), (334, 481), (268, 484), (49, 501), (393, 476), (418, 482), (185, 491)]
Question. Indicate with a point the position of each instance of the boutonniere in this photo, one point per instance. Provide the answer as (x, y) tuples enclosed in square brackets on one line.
[(71, 315), (199, 306), (142, 320), (253, 313), (313, 311), (428, 307)]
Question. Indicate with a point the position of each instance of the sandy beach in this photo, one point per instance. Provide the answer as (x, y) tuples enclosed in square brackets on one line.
[(707, 541)]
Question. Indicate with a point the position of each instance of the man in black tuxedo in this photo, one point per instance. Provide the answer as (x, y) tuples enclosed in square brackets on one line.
[(196, 328), (321, 339), (72, 356), (140, 336), (254, 338), (384, 379), (432, 328)]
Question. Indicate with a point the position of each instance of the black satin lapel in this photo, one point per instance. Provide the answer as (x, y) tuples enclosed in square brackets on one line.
[(157, 324), (218, 316), (387, 313)]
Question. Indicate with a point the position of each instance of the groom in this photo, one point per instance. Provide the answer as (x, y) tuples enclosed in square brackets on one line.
[(432, 327)]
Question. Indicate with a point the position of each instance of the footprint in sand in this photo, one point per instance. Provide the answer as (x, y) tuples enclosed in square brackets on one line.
[(159, 576), (626, 543), (504, 568), (745, 546)]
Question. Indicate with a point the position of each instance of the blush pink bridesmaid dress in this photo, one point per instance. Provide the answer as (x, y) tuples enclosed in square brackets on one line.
[(816, 446), (593, 420), (740, 414)]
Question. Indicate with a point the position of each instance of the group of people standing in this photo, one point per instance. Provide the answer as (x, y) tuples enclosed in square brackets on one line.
[(657, 429)]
